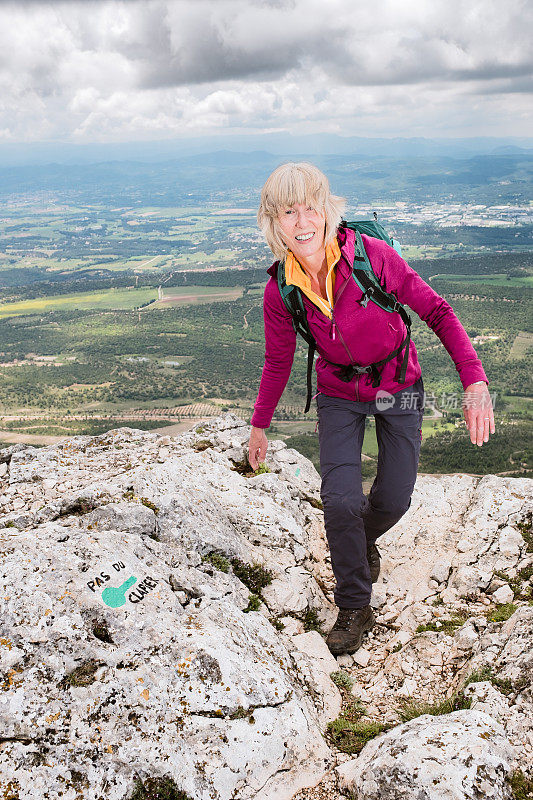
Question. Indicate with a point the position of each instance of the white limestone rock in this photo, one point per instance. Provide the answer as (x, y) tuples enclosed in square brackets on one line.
[(316, 663), (485, 697), (362, 657), (292, 626), (440, 570), (460, 755), (134, 518), (184, 683), (503, 595), (294, 591), (466, 638)]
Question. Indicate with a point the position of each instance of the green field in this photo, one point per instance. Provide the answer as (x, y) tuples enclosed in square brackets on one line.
[(105, 299), (496, 279), (122, 299), (429, 428)]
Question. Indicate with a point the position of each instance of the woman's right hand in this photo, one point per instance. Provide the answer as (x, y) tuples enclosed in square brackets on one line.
[(257, 447)]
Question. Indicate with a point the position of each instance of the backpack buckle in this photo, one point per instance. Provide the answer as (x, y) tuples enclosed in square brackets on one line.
[(366, 296)]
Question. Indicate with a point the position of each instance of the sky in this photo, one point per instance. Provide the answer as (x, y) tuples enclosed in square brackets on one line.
[(145, 70)]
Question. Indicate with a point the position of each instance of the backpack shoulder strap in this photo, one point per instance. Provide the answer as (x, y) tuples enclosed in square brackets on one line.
[(367, 280), (292, 299)]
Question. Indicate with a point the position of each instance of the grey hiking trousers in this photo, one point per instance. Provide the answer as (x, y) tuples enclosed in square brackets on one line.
[(351, 518)]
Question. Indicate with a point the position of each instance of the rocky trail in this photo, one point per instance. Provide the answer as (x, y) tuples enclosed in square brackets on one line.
[(162, 617)]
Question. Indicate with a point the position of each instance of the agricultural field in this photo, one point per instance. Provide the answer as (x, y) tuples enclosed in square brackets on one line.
[(522, 346), (118, 299), (86, 370), (496, 279), (132, 294), (141, 239)]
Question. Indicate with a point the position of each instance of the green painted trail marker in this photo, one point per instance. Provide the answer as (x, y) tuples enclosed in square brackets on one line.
[(297, 472), (116, 597)]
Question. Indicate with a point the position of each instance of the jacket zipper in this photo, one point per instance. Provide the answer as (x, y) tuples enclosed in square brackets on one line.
[(335, 328)]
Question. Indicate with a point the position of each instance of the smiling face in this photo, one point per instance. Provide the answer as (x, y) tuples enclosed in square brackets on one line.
[(302, 229)]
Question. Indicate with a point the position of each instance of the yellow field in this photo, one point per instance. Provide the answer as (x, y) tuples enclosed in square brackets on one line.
[(521, 345)]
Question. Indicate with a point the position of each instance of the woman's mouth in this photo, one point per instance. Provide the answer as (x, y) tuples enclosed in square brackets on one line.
[(304, 237)]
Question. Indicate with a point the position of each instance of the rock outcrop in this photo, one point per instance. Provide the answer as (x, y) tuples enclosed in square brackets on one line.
[(156, 607)]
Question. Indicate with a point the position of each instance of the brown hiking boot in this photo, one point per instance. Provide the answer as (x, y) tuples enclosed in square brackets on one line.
[(347, 633), (372, 554)]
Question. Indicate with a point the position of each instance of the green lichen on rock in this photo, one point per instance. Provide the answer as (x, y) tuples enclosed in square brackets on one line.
[(202, 444), (149, 504), (157, 789), (243, 468), (342, 679), (262, 468), (505, 685), (525, 526), (311, 622), (242, 713), (84, 674)]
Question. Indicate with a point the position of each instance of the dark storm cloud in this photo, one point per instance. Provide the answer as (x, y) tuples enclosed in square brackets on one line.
[(182, 42), (204, 41)]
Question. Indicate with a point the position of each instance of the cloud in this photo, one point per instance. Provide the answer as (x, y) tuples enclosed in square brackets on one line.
[(123, 68)]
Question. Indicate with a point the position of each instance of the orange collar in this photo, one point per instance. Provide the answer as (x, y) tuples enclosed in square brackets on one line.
[(295, 275)]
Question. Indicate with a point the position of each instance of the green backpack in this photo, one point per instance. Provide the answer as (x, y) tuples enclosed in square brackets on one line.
[(368, 282)]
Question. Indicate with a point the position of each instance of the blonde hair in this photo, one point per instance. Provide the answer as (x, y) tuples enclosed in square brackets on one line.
[(296, 183)]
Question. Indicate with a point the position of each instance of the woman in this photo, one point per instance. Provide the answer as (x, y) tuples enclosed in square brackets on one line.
[(301, 221)]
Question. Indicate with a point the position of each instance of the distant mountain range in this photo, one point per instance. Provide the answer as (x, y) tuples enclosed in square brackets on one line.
[(503, 176), (278, 144)]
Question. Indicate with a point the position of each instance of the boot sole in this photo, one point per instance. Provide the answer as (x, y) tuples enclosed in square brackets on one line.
[(338, 650)]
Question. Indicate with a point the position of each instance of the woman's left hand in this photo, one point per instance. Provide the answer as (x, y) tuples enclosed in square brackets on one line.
[(478, 413)]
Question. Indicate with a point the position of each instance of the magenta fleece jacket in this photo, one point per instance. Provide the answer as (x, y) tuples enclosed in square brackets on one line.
[(363, 334)]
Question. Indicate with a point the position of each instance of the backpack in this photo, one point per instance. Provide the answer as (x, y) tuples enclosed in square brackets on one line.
[(368, 282)]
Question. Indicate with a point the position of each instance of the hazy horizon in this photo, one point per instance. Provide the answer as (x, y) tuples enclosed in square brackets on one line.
[(14, 154)]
